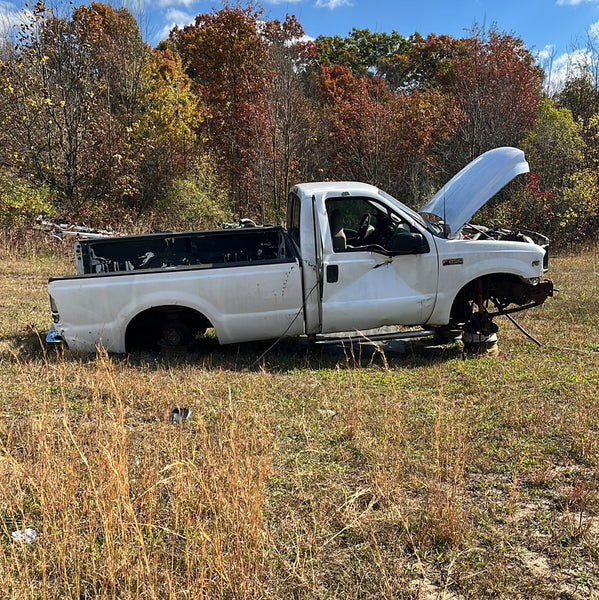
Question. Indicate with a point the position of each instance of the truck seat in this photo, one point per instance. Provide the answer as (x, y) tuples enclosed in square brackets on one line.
[(336, 222)]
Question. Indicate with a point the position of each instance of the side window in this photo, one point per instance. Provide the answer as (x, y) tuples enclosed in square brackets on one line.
[(293, 218), (364, 223), (359, 223)]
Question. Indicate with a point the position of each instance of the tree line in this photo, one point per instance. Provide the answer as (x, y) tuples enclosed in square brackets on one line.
[(220, 119)]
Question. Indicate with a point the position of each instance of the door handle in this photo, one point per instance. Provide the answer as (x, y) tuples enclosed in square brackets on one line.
[(332, 273)]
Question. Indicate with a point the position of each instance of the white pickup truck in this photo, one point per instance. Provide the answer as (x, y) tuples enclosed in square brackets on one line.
[(351, 259)]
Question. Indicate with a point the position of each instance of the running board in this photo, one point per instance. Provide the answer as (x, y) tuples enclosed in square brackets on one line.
[(376, 337)]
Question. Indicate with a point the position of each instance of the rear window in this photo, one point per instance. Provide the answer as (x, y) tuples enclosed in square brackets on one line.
[(293, 218)]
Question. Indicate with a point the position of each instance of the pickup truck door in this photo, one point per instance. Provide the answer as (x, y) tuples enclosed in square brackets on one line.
[(371, 282)]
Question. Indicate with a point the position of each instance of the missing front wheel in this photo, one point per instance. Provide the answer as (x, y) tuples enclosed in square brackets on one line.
[(479, 335)]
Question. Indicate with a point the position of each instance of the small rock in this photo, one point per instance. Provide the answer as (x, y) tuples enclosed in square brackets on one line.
[(326, 412), (29, 536)]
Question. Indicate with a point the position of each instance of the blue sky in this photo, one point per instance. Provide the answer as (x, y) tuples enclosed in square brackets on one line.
[(555, 30)]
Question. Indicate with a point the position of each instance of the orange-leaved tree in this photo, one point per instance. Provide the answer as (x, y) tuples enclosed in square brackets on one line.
[(227, 57)]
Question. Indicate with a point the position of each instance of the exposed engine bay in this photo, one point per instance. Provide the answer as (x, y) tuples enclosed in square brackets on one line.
[(480, 232)]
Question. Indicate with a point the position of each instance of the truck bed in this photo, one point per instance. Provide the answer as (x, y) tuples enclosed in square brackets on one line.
[(172, 250)]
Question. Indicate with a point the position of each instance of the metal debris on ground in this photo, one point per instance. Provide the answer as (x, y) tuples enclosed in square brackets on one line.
[(61, 230), (326, 412), (180, 415)]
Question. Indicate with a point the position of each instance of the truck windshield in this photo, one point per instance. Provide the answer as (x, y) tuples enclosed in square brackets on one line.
[(434, 228)]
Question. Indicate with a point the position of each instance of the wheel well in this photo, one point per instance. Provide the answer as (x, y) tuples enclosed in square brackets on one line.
[(485, 288), (147, 329)]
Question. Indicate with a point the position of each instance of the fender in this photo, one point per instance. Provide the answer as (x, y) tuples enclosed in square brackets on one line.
[(464, 261)]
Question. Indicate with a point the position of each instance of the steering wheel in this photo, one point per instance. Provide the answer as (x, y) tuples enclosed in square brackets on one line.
[(363, 227)]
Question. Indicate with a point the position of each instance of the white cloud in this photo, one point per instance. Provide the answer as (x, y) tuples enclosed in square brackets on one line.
[(282, 1), (11, 17), (573, 2), (594, 30), (332, 4), (545, 54), (173, 18), (178, 17), (165, 32), (558, 69), (167, 3), (575, 63)]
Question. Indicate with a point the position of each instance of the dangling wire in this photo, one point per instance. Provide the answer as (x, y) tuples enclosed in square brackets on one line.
[(299, 312), (532, 339)]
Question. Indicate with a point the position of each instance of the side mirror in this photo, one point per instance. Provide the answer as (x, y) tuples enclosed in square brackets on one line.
[(409, 243)]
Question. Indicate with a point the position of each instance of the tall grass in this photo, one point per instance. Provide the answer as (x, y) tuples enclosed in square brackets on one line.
[(341, 474), (125, 503)]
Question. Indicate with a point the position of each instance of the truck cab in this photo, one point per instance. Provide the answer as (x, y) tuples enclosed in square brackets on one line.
[(367, 262)]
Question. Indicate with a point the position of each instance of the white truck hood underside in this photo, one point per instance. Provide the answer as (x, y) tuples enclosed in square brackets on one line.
[(474, 186)]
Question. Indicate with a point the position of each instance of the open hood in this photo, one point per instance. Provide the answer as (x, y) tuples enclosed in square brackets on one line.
[(474, 186)]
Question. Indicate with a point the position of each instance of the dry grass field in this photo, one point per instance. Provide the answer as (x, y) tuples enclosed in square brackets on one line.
[(316, 474)]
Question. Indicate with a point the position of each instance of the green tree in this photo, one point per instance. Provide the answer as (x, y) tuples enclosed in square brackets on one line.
[(561, 197), (580, 92), (20, 203), (196, 201), (580, 96), (555, 145), (369, 54)]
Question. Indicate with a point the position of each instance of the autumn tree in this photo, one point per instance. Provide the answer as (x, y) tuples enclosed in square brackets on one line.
[(91, 111), (49, 105), (424, 121), (117, 51), (487, 85), (161, 132), (152, 113), (385, 115), (356, 110), (496, 86), (118, 56), (226, 55), (107, 124), (383, 137), (289, 112)]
